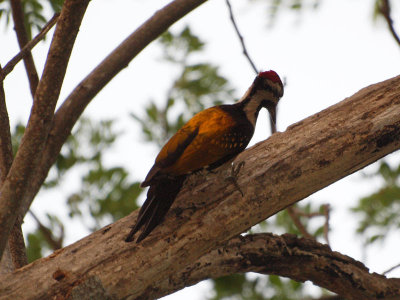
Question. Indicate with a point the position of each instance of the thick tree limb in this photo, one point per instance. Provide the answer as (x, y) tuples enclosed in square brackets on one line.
[(6, 262), (22, 36), (6, 157), (16, 245), (76, 102), (33, 141), (289, 166), (286, 255)]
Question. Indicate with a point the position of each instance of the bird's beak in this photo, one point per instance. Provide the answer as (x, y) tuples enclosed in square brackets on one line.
[(272, 115)]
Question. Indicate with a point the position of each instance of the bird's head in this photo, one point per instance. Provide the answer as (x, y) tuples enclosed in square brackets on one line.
[(266, 90)]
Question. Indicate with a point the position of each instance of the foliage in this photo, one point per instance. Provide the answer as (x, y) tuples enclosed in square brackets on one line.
[(275, 7), (36, 13), (45, 239), (197, 86), (106, 193), (380, 211), (243, 286)]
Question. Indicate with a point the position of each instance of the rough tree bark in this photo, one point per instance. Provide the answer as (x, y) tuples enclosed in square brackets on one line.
[(299, 259), (209, 211)]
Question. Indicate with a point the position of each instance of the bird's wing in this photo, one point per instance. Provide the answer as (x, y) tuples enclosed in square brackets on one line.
[(218, 137), (208, 137), (171, 151)]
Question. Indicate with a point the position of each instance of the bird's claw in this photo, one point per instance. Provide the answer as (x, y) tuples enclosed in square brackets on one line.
[(235, 169)]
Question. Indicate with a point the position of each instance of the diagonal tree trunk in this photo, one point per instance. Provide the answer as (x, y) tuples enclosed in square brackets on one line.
[(278, 172)]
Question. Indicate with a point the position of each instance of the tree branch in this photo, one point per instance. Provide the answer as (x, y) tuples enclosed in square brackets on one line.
[(245, 52), (16, 244), (54, 243), (391, 269), (297, 222), (6, 158), (26, 50), (22, 36), (6, 262), (35, 136), (288, 256), (76, 102), (386, 12), (278, 172)]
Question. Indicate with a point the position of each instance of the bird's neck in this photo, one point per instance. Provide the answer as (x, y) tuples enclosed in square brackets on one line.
[(252, 101)]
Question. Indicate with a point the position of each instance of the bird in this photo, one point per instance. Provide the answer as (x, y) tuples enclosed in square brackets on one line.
[(209, 139)]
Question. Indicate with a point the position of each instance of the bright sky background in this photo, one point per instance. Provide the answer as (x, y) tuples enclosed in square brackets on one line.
[(325, 55)]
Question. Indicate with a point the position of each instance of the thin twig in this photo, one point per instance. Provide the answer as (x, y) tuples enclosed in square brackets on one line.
[(326, 209), (385, 11), (307, 215), (246, 54), (294, 214), (48, 235), (391, 269), (298, 223), (28, 47), (23, 39)]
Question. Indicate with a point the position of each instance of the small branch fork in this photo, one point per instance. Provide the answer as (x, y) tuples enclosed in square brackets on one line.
[(386, 12), (22, 170), (16, 240), (295, 212)]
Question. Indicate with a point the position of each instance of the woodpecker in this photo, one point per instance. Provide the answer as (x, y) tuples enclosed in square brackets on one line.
[(211, 138)]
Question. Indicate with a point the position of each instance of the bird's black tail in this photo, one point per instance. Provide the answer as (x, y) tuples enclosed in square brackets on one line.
[(160, 197)]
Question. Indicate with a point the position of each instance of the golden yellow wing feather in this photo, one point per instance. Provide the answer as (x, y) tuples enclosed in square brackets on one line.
[(213, 140)]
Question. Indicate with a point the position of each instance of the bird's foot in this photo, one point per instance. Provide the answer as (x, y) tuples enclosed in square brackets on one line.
[(235, 169)]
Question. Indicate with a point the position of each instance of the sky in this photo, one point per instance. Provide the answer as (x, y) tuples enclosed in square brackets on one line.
[(325, 55)]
